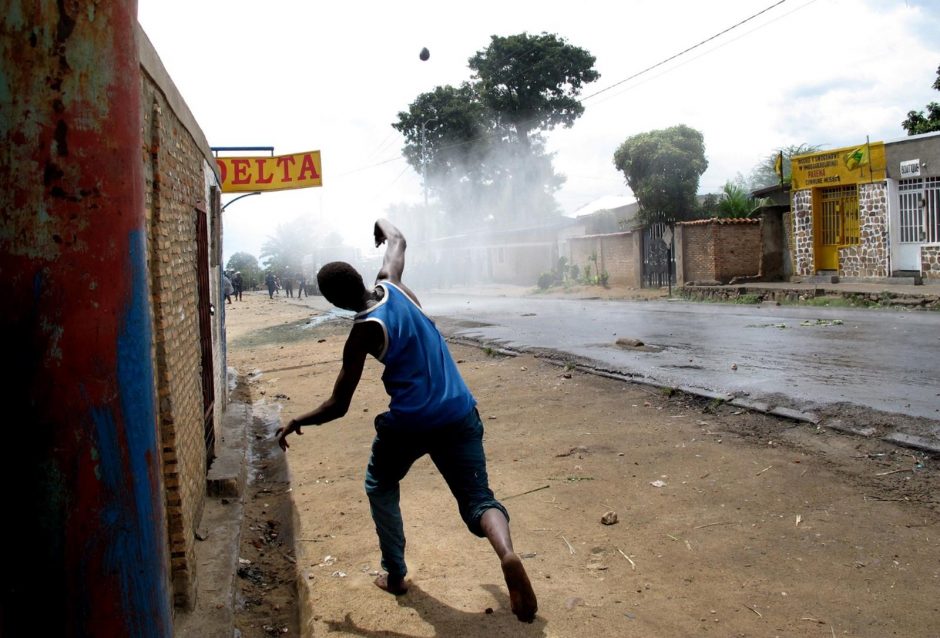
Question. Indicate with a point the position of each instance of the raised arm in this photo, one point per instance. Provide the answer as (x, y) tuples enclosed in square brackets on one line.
[(394, 263)]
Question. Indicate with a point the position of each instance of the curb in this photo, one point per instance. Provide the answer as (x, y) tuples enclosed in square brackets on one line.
[(897, 438)]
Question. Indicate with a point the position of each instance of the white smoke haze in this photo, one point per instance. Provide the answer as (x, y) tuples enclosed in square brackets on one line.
[(300, 76)]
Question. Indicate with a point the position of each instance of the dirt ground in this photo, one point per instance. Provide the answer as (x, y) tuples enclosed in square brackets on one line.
[(731, 523)]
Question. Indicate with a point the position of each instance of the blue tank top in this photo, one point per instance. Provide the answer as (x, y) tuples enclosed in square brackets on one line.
[(420, 376)]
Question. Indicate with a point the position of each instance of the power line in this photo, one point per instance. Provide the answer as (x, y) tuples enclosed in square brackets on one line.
[(684, 51), (608, 88)]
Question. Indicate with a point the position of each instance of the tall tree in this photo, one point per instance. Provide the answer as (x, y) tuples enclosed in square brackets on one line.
[(663, 168), (532, 81), (479, 147), (917, 123)]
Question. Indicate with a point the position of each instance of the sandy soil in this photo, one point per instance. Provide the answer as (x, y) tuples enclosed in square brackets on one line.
[(731, 523)]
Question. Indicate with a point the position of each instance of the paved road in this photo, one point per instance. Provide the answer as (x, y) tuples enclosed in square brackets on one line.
[(887, 360)]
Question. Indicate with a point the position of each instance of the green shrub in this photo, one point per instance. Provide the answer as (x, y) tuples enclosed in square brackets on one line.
[(545, 280)]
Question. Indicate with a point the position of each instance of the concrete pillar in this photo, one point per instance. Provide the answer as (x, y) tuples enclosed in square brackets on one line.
[(86, 501)]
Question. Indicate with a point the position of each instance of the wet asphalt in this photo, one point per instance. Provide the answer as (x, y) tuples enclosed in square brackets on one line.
[(810, 358)]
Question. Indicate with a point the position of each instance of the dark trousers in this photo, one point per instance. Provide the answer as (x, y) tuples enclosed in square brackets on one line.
[(457, 451)]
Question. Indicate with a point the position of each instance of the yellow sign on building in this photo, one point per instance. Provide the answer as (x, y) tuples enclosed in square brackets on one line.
[(839, 167), (248, 174)]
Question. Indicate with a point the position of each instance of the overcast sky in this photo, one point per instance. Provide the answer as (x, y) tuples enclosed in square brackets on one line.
[(331, 76)]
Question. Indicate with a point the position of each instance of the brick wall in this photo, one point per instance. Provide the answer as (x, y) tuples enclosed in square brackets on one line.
[(615, 255), (720, 249), (930, 260), (698, 253), (174, 182), (870, 257)]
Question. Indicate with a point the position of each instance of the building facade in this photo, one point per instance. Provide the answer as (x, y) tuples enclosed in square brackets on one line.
[(870, 211)]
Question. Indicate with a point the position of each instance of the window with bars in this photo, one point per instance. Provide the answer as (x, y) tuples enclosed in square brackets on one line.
[(919, 210)]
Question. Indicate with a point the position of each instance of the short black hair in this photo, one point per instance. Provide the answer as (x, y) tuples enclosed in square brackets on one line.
[(341, 284)]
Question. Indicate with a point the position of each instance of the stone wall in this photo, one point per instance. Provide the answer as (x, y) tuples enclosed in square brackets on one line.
[(870, 257), (802, 233), (616, 255), (930, 261)]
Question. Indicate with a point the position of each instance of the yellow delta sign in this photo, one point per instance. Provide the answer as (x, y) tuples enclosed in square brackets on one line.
[(841, 166), (249, 174)]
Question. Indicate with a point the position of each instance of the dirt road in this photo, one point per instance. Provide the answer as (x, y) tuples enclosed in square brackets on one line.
[(730, 523)]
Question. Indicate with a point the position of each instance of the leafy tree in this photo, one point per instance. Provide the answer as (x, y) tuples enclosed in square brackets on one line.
[(663, 168), (532, 81), (247, 265), (765, 173), (917, 123), (478, 146)]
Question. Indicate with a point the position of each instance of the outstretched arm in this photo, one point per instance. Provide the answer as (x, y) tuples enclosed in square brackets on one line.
[(354, 357), (394, 263)]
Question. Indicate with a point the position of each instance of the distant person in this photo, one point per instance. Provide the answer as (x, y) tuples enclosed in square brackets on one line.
[(431, 412), (289, 285), (277, 285), (302, 286), (227, 288), (271, 283), (239, 285)]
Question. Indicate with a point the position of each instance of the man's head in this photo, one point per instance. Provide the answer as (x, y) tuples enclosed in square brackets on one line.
[(342, 285)]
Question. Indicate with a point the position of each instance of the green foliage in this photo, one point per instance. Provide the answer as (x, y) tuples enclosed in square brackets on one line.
[(283, 251), (735, 201), (574, 272), (479, 146), (546, 279), (763, 175), (532, 81), (917, 123), (247, 265), (663, 168), (747, 298)]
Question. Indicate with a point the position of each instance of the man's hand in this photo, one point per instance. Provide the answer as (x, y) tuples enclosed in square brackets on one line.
[(379, 234), (282, 433)]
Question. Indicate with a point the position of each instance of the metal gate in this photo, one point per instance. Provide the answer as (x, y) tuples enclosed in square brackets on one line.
[(838, 224), (205, 331), (658, 261), (920, 210)]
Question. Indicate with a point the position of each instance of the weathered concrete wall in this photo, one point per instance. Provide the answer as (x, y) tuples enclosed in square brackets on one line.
[(520, 263), (802, 217), (616, 255), (83, 466), (925, 148), (870, 257)]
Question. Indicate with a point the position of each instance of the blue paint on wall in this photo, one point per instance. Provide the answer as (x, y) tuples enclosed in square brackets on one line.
[(142, 560)]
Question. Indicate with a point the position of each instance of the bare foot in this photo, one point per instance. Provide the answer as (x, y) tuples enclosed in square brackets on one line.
[(396, 586), (521, 597)]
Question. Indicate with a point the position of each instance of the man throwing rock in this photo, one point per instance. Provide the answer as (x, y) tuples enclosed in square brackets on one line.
[(431, 411)]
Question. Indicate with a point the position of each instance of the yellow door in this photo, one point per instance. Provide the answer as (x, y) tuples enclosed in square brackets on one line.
[(837, 225)]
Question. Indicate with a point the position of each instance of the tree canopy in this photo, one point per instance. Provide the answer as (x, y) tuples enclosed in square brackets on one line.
[(247, 265), (479, 146), (532, 81), (917, 123), (663, 168)]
